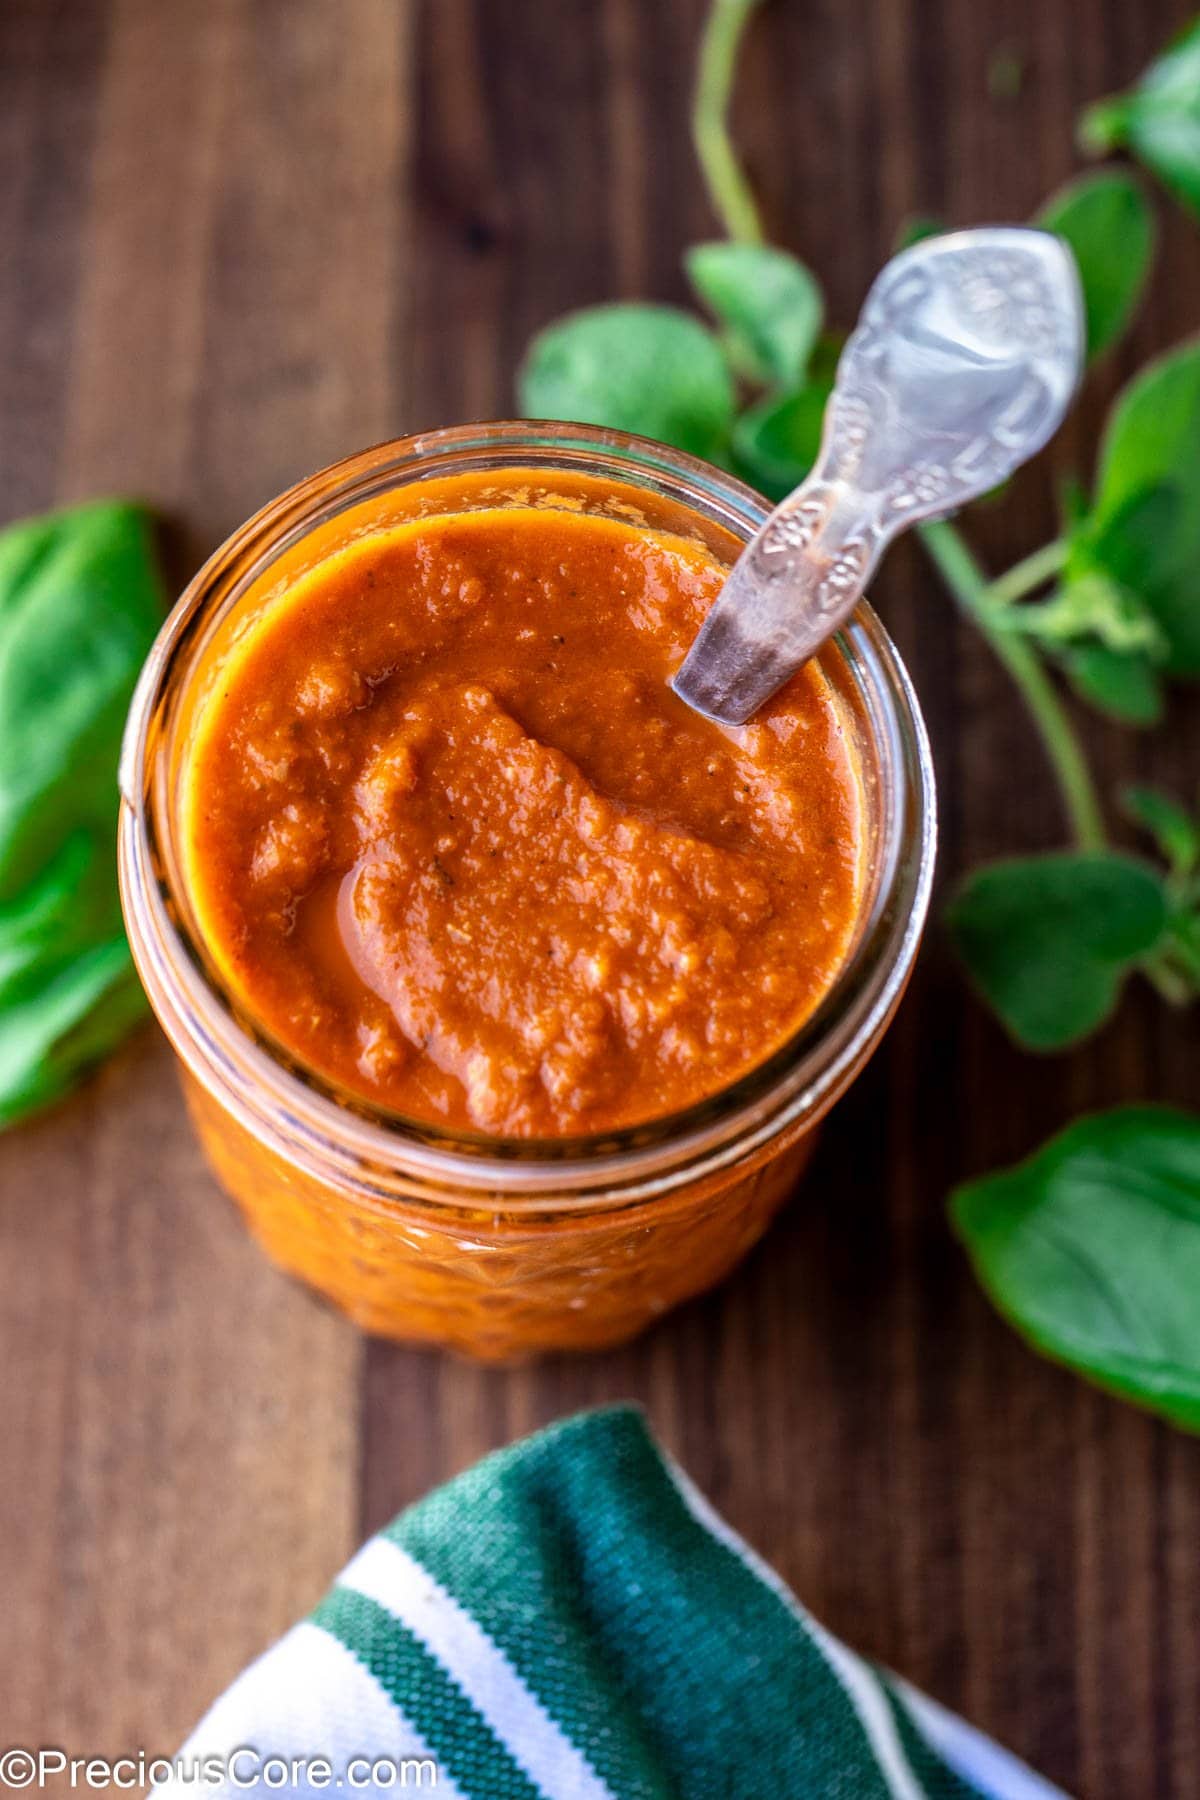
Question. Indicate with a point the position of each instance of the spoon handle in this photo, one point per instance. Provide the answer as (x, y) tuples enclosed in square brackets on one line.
[(790, 589), (962, 365)]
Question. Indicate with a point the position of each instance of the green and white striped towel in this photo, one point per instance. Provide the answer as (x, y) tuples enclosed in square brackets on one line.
[(570, 1620)]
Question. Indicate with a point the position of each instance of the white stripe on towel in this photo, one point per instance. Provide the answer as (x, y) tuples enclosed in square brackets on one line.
[(307, 1697), (386, 1574), (979, 1760)]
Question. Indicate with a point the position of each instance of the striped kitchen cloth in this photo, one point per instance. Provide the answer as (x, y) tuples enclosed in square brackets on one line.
[(570, 1620)]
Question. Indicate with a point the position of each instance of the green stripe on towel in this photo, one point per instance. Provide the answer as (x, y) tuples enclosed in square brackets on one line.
[(463, 1744), (583, 1563)]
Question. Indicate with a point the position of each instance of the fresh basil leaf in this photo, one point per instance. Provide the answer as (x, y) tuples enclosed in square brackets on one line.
[(648, 369), (1183, 950), (768, 303), (1048, 940), (914, 230), (1107, 224), (80, 602), (827, 354), (68, 991), (775, 442), (1091, 605), (1110, 564), (1073, 503), (70, 906), (1091, 1249), (1151, 446), (1132, 543), (1172, 827), (51, 1037), (1122, 685), (1158, 120)]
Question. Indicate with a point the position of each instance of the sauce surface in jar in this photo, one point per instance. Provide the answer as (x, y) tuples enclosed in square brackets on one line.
[(452, 841)]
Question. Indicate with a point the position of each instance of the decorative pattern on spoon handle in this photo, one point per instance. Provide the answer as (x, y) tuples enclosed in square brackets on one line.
[(962, 364)]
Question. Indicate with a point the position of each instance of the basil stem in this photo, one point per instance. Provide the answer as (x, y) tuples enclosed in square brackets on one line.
[(1029, 573), (962, 574), (731, 194)]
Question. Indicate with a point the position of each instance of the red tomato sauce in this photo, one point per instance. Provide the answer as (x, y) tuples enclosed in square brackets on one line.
[(452, 841)]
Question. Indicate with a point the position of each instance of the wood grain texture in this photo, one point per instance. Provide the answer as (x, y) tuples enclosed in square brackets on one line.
[(245, 236), (174, 1410)]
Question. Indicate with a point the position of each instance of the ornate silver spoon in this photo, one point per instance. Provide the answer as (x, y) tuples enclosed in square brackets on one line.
[(962, 365)]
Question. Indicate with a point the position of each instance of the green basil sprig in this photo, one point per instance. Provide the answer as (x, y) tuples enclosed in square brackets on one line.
[(1106, 221), (775, 440), (80, 602), (1049, 940), (1151, 447), (1091, 1249), (1111, 606), (1158, 120), (1175, 965), (768, 303), (647, 369)]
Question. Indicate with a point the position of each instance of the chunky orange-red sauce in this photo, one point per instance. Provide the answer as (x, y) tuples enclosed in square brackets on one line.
[(451, 839)]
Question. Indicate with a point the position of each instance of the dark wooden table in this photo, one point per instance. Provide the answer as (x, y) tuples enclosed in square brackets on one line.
[(242, 237)]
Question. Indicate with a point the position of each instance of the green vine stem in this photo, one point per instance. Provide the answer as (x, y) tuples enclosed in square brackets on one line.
[(981, 600), (1030, 573), (730, 192), (1175, 988), (957, 566), (734, 202)]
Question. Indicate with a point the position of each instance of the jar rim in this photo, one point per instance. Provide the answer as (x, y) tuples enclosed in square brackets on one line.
[(271, 1092)]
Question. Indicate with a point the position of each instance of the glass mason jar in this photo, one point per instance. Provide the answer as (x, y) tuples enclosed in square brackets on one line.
[(503, 1248)]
